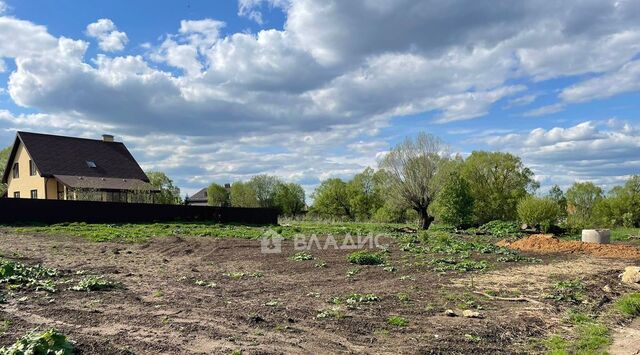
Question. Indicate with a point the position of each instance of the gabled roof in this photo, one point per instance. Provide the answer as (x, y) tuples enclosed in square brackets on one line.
[(58, 155), (199, 196)]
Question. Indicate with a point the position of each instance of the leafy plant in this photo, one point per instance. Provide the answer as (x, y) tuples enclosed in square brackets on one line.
[(397, 321), (334, 312), (453, 264), (363, 257), (567, 291), (50, 342), (95, 283), (358, 298), (302, 256), (500, 229), (629, 304), (204, 283), (22, 275)]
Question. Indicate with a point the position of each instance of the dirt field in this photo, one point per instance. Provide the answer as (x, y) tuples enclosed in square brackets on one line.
[(202, 295)]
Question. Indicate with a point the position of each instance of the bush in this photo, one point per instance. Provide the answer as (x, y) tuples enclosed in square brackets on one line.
[(363, 257), (49, 342), (454, 204), (538, 212), (500, 228), (629, 304)]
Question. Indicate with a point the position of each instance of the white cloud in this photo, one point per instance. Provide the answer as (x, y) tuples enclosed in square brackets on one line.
[(545, 110), (3, 7), (603, 152), (523, 100), (251, 8), (315, 93), (625, 79), (107, 34)]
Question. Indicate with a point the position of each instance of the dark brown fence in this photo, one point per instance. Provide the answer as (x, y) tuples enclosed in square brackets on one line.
[(54, 211)]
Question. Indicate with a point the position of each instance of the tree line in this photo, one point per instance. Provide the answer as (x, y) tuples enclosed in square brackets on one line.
[(420, 180), (260, 191)]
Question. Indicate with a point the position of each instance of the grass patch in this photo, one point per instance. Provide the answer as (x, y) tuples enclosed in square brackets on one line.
[(363, 257), (590, 337), (629, 304), (397, 321), (141, 232), (95, 283), (48, 342)]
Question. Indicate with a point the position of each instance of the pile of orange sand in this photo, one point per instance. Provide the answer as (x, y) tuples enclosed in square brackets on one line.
[(548, 244)]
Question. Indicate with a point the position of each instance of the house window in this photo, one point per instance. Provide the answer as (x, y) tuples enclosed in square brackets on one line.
[(16, 170), (34, 194), (16, 194), (32, 168)]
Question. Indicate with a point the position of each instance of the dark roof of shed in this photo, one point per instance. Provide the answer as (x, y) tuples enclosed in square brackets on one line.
[(200, 195), (58, 155)]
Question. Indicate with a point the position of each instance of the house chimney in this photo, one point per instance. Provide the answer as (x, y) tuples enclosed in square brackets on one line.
[(107, 138)]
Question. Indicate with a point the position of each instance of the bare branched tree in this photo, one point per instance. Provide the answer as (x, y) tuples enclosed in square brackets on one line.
[(412, 166)]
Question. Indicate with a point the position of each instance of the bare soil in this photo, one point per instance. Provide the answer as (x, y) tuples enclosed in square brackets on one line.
[(161, 309)]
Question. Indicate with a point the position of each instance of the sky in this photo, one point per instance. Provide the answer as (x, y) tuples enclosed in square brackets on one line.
[(219, 91)]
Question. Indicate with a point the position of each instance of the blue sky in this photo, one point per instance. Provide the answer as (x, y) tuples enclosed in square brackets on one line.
[(306, 90)]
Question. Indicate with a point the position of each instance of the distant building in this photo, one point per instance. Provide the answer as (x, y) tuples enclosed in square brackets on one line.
[(43, 166), (201, 198)]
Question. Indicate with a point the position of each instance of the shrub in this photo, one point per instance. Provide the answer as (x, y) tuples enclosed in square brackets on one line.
[(500, 228), (538, 212), (363, 257), (49, 342), (629, 304), (454, 203)]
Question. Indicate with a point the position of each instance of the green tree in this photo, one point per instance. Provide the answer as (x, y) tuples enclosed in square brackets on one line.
[(582, 198), (265, 189), (557, 195), (217, 195), (331, 199), (412, 167), (498, 181), (365, 194), (4, 156), (538, 212), (454, 203), (243, 195), (289, 198), (169, 193)]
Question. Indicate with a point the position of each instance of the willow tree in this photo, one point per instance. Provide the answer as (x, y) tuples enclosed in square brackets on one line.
[(412, 167)]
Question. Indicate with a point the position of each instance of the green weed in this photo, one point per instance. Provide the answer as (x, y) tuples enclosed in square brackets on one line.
[(19, 275), (95, 283), (567, 291), (49, 342), (302, 256), (397, 321), (334, 312), (363, 257)]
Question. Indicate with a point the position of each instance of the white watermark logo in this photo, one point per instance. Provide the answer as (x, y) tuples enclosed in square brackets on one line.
[(271, 242)]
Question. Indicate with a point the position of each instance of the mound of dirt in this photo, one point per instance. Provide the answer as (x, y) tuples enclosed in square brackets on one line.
[(544, 243)]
